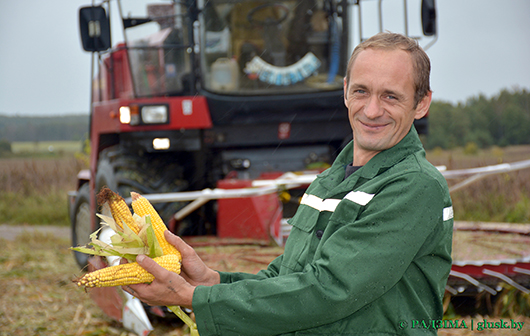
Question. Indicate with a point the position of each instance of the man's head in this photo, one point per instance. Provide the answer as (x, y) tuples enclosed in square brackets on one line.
[(384, 93), (391, 41)]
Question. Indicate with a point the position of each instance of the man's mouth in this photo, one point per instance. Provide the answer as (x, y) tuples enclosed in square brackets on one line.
[(373, 126)]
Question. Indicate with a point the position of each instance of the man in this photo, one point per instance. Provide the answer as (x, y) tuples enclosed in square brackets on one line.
[(370, 247)]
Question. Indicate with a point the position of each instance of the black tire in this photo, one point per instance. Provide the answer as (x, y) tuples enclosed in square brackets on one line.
[(81, 224), (105, 176)]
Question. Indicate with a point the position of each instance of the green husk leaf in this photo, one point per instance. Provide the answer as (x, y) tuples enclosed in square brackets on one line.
[(127, 230), (130, 239), (104, 250), (124, 242), (91, 251), (143, 225), (107, 220), (154, 247)]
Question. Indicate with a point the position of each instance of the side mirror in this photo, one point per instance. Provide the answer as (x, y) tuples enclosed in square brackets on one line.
[(95, 28), (428, 17)]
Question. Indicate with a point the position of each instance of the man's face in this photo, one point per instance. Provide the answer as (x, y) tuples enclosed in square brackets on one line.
[(380, 101)]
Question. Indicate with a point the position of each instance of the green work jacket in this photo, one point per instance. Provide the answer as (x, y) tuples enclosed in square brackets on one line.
[(367, 255)]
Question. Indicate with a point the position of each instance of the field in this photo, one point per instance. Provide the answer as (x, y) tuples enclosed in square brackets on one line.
[(47, 147), (38, 297), (497, 198), (34, 190)]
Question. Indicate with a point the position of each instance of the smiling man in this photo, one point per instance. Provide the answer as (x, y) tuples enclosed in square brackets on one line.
[(370, 247)]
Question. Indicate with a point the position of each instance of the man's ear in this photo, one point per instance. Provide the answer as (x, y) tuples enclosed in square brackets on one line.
[(345, 92), (423, 106)]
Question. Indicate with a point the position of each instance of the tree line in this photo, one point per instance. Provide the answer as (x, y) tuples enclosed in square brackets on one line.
[(56, 128), (501, 120)]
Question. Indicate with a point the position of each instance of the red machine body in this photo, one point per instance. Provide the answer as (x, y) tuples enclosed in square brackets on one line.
[(257, 217)]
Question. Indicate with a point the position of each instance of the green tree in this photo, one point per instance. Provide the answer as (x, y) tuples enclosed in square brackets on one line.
[(5, 147), (501, 120), (439, 124)]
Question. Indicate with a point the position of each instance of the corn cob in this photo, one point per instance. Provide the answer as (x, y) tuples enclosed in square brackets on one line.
[(132, 273), (127, 274), (142, 207), (119, 209)]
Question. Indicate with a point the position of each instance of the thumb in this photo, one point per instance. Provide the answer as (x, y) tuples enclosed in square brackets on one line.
[(179, 244), (149, 264)]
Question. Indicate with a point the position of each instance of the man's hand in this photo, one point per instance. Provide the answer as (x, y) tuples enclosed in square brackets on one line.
[(168, 288), (171, 289), (194, 270)]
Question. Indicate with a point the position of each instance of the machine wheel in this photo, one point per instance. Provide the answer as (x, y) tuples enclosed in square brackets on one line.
[(81, 224), (105, 176)]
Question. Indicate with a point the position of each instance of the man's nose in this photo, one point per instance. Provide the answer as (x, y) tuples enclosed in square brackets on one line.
[(373, 108)]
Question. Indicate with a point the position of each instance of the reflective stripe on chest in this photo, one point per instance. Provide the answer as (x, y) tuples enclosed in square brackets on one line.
[(358, 197), (330, 204)]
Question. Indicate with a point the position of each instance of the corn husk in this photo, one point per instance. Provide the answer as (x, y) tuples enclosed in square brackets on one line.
[(125, 242)]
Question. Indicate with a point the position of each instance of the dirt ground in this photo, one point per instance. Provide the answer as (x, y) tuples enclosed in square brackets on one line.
[(10, 232), (38, 297)]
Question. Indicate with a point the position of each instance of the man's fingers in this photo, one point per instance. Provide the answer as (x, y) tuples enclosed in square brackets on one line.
[(150, 265), (179, 244)]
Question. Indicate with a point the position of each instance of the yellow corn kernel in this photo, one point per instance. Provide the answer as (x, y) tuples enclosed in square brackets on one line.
[(142, 207), (118, 208), (127, 274)]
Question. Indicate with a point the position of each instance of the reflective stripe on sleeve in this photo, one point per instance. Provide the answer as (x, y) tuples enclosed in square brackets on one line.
[(448, 213)]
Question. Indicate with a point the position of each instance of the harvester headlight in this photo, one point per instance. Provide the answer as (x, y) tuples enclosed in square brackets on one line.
[(125, 114), (161, 143), (154, 114), (129, 115)]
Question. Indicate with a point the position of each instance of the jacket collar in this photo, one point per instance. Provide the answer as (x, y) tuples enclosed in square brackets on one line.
[(385, 159)]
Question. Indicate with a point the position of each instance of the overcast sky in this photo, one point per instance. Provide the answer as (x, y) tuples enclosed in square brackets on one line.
[(483, 47)]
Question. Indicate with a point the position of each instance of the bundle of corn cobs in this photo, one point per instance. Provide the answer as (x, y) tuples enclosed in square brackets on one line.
[(138, 233)]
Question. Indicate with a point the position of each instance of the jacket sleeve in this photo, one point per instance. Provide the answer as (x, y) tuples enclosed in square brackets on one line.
[(359, 259), (271, 271)]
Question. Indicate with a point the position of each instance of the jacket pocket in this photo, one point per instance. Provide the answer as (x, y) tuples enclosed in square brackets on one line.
[(305, 218), (298, 246)]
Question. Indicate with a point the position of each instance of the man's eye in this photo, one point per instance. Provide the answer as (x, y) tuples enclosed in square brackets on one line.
[(360, 91), (391, 97)]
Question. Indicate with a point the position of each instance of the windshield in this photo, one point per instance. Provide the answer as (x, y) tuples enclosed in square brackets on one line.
[(270, 47), (158, 46)]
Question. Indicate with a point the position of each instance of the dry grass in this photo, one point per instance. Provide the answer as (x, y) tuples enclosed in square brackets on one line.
[(38, 296), (496, 198), (34, 190), (479, 245), (29, 176)]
